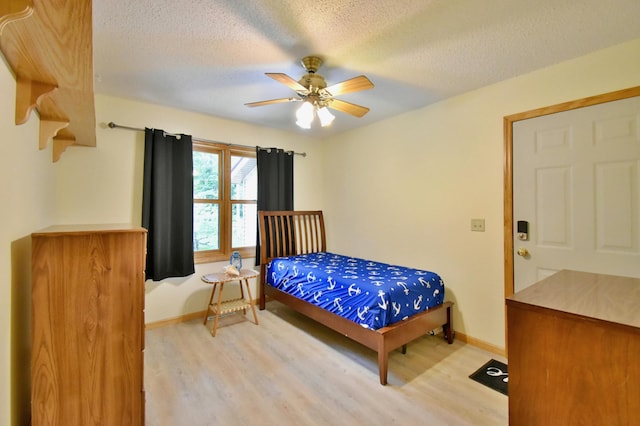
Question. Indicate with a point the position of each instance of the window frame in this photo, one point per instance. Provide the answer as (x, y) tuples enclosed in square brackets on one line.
[(224, 201)]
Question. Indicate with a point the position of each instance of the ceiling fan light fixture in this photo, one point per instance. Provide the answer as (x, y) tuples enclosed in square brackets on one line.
[(326, 118), (304, 124), (304, 115)]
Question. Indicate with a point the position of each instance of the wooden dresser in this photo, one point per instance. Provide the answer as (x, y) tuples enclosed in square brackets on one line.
[(88, 325), (574, 351)]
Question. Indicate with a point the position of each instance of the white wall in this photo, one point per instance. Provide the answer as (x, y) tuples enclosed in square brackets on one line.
[(404, 190), (104, 184), (27, 194), (401, 191)]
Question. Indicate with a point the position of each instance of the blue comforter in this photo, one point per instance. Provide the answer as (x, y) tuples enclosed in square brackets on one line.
[(372, 294)]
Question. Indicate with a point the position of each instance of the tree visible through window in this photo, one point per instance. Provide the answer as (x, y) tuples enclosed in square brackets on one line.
[(224, 195)]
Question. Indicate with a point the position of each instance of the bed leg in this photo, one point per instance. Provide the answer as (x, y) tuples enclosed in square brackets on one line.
[(383, 365), (447, 328), (263, 303), (404, 349)]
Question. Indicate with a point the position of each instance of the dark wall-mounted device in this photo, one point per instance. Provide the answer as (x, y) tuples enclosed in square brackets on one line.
[(523, 230)]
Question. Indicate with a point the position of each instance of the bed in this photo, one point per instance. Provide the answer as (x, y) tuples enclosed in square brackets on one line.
[(294, 261)]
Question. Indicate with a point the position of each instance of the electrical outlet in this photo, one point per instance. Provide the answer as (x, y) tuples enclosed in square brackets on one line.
[(477, 225)]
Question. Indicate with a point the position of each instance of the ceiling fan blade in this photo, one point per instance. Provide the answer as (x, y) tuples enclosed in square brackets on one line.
[(287, 81), (355, 84), (272, 101), (347, 107)]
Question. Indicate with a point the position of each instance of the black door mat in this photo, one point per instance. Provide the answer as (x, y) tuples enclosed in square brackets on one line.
[(493, 374)]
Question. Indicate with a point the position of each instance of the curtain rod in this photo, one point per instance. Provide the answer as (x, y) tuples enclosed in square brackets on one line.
[(113, 125)]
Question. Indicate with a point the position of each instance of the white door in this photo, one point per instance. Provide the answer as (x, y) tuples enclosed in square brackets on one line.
[(576, 183)]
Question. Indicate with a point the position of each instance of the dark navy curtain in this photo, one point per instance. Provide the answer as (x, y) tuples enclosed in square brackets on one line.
[(275, 183), (167, 204)]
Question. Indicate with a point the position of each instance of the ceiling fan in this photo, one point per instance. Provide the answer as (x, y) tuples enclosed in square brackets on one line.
[(312, 89)]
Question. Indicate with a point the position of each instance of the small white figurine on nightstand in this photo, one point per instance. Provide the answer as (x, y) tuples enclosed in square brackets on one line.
[(231, 270)]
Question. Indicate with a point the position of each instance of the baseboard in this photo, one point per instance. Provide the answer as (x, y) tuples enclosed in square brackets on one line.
[(481, 344), (175, 320)]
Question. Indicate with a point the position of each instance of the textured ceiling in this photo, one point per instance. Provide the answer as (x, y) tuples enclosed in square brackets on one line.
[(210, 56)]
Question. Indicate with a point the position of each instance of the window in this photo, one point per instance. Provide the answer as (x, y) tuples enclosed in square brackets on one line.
[(225, 185)]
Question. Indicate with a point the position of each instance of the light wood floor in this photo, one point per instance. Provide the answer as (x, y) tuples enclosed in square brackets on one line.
[(290, 370)]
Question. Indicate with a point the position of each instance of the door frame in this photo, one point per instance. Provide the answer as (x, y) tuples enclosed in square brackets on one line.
[(508, 165)]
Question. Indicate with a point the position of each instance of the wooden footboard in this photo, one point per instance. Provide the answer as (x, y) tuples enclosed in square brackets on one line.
[(288, 233)]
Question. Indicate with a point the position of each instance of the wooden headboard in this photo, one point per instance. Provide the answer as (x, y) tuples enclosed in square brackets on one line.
[(288, 233)]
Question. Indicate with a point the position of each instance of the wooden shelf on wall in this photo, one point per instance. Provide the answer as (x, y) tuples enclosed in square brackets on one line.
[(49, 47)]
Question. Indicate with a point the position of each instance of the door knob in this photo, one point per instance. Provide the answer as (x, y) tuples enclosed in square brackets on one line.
[(522, 252)]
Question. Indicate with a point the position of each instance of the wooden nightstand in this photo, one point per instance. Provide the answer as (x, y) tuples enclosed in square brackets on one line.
[(233, 305)]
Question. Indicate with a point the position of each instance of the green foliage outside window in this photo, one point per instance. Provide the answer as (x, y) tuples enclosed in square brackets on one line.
[(206, 216), (210, 204)]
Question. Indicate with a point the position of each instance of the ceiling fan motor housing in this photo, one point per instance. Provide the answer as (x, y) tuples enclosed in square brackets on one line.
[(313, 82)]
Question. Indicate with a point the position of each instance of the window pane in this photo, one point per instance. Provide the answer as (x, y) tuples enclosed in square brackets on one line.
[(206, 227), (205, 175), (244, 178), (243, 225)]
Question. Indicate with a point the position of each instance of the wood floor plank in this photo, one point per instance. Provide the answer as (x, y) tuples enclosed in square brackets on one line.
[(290, 370)]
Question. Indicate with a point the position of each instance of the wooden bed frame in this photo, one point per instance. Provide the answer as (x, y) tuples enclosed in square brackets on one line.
[(288, 233)]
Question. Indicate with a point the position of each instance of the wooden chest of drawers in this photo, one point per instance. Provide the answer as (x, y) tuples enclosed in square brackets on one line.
[(574, 351), (88, 326)]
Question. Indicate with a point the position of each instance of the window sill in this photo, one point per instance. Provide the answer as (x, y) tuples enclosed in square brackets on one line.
[(215, 256)]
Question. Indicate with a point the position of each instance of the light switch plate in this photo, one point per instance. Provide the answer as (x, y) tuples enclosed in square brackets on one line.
[(477, 225)]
